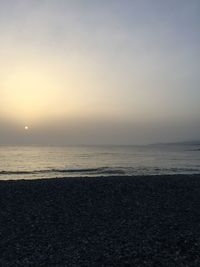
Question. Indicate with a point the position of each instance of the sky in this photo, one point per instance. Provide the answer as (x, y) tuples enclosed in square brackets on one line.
[(99, 72)]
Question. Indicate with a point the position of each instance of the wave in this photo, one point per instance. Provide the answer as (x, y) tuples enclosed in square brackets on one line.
[(91, 170), (22, 172), (102, 170)]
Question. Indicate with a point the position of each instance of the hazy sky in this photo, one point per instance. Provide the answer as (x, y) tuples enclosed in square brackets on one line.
[(106, 71)]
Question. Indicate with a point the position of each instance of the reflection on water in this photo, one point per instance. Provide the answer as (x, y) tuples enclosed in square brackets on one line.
[(49, 162)]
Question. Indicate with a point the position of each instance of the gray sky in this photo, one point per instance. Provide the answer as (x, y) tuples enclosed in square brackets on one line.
[(109, 71)]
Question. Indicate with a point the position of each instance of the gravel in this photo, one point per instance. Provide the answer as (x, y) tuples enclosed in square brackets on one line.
[(113, 221)]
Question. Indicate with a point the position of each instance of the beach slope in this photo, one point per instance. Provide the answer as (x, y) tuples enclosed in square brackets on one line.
[(115, 221)]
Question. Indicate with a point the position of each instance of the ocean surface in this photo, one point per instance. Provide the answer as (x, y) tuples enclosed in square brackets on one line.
[(30, 162)]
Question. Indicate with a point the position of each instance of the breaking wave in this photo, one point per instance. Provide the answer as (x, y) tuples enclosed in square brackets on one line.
[(102, 170)]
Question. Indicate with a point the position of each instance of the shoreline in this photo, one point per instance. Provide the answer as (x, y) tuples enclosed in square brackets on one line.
[(101, 221), (124, 176)]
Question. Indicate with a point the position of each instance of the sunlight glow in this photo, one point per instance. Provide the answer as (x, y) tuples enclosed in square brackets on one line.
[(27, 93), (36, 90)]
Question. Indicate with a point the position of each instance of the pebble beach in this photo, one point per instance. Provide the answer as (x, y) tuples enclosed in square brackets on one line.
[(115, 221)]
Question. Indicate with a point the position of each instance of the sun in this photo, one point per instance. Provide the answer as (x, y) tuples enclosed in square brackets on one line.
[(26, 128)]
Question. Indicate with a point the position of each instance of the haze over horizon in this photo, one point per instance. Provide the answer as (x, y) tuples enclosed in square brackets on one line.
[(99, 72)]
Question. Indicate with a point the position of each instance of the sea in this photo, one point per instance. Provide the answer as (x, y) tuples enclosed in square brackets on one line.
[(33, 162)]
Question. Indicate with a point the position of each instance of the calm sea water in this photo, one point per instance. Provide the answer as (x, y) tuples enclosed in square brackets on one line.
[(49, 162)]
